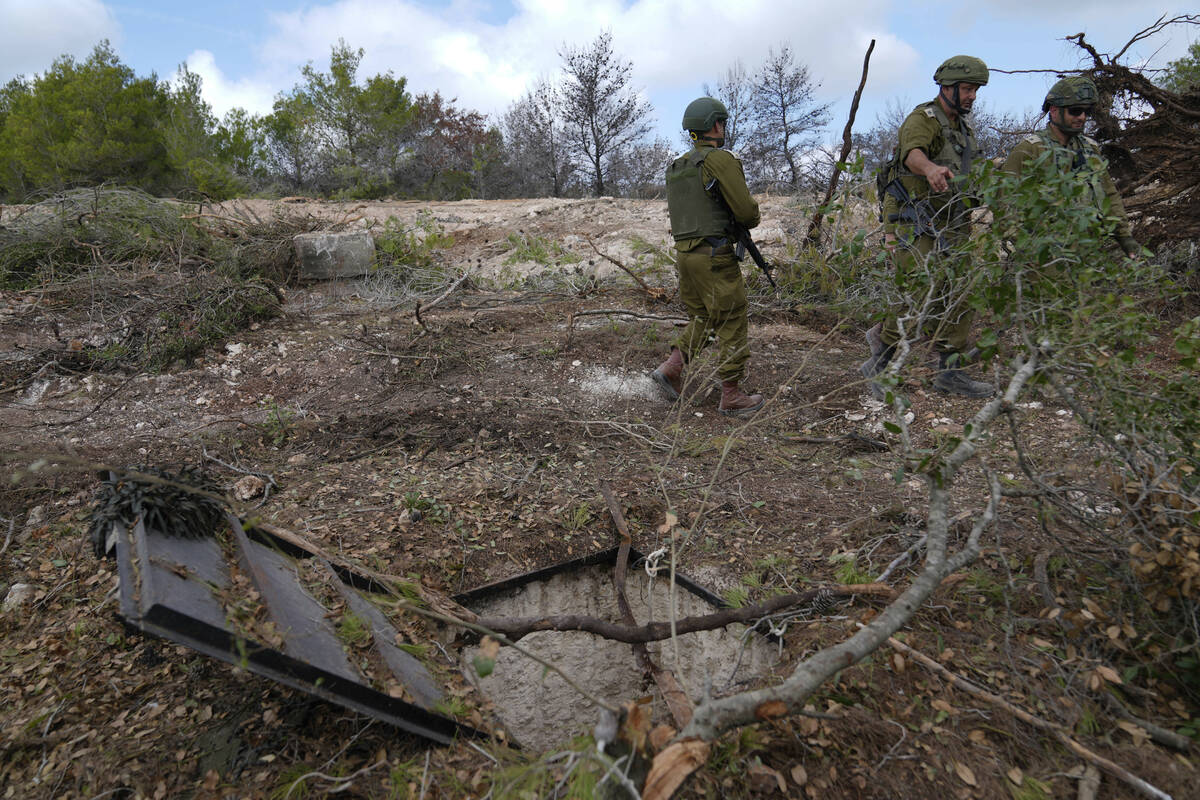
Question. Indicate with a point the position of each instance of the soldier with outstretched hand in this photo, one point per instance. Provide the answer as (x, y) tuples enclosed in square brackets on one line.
[(706, 195), (926, 217), (1070, 102)]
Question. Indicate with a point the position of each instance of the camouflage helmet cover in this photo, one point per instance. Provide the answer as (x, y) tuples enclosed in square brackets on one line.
[(702, 113), (961, 69), (1077, 90)]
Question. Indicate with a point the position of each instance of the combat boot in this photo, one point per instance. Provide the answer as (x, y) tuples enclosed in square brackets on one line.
[(952, 380), (874, 365), (669, 375), (736, 403)]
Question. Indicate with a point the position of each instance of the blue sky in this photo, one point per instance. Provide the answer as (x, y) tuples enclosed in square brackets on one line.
[(486, 53)]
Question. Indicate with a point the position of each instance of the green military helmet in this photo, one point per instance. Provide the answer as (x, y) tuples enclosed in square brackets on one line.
[(961, 69), (702, 113), (1077, 90)]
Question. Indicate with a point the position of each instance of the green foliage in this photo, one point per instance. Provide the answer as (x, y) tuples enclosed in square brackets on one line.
[(537, 249), (346, 132), (353, 629), (847, 570), (736, 597), (577, 518), (1183, 73), (277, 425), (85, 122), (576, 772), (1030, 789), (452, 706), (401, 247), (428, 507)]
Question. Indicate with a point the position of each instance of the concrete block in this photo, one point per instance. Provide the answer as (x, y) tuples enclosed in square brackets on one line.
[(323, 256)]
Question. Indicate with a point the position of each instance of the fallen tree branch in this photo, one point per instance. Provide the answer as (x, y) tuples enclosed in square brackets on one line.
[(1059, 733), (1158, 733), (674, 319), (517, 627), (677, 700), (439, 298), (654, 295)]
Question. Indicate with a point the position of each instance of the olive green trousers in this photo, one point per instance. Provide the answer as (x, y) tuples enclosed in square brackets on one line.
[(714, 293), (949, 326)]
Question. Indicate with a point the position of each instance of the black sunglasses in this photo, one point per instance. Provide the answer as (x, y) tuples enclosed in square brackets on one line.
[(1077, 111)]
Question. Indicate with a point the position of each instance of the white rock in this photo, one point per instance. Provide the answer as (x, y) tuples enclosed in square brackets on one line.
[(249, 487), (19, 595)]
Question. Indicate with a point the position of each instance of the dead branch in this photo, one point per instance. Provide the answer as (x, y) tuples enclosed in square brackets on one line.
[(1150, 30), (718, 715), (1158, 733), (874, 444), (654, 295), (1058, 732), (434, 600), (677, 700), (439, 298), (814, 227), (517, 627), (593, 312)]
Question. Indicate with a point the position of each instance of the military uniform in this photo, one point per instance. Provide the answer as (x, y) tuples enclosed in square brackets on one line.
[(706, 191), (1081, 156), (707, 197), (947, 144), (930, 225)]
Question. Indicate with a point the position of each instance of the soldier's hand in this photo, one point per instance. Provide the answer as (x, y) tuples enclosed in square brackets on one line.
[(889, 242), (939, 177)]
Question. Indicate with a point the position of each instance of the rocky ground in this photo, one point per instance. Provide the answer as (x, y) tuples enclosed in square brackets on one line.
[(497, 415)]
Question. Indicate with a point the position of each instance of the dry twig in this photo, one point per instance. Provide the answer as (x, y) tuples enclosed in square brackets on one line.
[(1116, 770)]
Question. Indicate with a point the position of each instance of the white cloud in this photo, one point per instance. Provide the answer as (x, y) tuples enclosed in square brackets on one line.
[(675, 45), (223, 94), (33, 34)]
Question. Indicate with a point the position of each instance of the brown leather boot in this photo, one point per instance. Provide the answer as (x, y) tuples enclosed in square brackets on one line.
[(669, 375), (736, 403)]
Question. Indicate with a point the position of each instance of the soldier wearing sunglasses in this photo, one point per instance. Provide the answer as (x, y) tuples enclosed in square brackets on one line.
[(1070, 102)]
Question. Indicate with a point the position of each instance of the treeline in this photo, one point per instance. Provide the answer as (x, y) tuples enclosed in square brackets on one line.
[(585, 130), (339, 134)]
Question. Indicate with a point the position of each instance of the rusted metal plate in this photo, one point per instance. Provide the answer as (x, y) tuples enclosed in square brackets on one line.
[(177, 589)]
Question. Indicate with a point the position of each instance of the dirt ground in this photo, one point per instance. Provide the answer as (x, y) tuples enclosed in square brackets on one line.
[(498, 415)]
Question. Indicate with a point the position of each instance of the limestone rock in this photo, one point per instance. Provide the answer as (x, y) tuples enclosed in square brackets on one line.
[(322, 256), (19, 596)]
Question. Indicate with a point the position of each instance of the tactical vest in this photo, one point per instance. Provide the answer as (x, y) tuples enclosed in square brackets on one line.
[(1079, 157), (696, 211), (958, 143)]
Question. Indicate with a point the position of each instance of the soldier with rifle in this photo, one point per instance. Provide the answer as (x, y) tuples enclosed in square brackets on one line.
[(927, 217), (709, 202)]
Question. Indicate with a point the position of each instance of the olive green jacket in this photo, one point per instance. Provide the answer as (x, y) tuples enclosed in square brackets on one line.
[(949, 144), (1080, 155)]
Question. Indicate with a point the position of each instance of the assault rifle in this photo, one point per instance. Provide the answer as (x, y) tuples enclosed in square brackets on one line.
[(917, 213), (746, 245)]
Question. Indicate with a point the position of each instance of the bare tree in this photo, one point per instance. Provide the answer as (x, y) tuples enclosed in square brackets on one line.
[(638, 171), (734, 91), (786, 115), (536, 142), (602, 113)]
